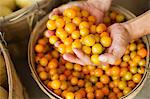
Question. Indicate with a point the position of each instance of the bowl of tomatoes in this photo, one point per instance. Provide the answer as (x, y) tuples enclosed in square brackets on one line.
[(59, 78)]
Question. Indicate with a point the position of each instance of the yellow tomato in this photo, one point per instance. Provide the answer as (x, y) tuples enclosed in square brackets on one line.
[(71, 13), (70, 95), (101, 28), (77, 20), (86, 49), (54, 17), (51, 25), (84, 32), (77, 44), (60, 23), (53, 39), (105, 41), (75, 34), (68, 41), (93, 29), (70, 27), (55, 84), (84, 24), (95, 59), (69, 49), (89, 40), (97, 49), (85, 13), (61, 48), (92, 19)]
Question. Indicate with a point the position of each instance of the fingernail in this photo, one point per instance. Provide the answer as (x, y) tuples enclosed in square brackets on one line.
[(103, 58)]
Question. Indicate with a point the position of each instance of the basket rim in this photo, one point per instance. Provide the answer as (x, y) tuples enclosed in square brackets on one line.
[(113, 7)]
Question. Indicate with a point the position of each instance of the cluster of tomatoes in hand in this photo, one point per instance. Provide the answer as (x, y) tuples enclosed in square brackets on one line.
[(73, 81), (76, 28)]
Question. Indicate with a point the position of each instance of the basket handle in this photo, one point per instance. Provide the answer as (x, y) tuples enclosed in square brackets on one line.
[(2, 40), (35, 16)]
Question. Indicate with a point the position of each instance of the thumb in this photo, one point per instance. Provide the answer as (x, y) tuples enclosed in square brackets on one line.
[(108, 58)]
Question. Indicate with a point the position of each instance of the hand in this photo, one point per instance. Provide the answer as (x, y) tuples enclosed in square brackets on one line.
[(87, 5), (121, 39), (96, 8)]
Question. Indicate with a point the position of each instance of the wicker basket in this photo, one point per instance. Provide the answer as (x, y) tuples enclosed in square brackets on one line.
[(16, 90), (41, 26), (18, 25)]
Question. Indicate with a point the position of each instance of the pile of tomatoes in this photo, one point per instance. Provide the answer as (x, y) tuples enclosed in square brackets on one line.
[(76, 28), (73, 81)]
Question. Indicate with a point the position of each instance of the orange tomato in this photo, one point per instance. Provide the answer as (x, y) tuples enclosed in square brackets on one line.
[(126, 90), (39, 48), (92, 19), (43, 75), (142, 52), (75, 34), (84, 24), (104, 79), (51, 25), (131, 84), (98, 72), (115, 70), (101, 28), (85, 13), (61, 48), (74, 80), (68, 41), (71, 13), (81, 83), (70, 27), (99, 94), (105, 90), (90, 95), (53, 63), (136, 59), (77, 20), (60, 23), (122, 85), (93, 29), (69, 95), (77, 67), (99, 85), (86, 49), (43, 61), (89, 89), (137, 78), (76, 44)]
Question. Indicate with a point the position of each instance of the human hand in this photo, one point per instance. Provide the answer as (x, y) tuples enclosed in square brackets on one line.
[(121, 39), (96, 9)]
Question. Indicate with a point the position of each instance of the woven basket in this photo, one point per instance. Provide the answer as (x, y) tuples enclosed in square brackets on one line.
[(18, 25), (39, 29), (16, 90)]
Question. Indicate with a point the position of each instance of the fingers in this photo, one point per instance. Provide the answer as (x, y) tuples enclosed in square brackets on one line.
[(72, 58), (57, 43), (48, 33), (83, 57), (55, 11), (108, 58)]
